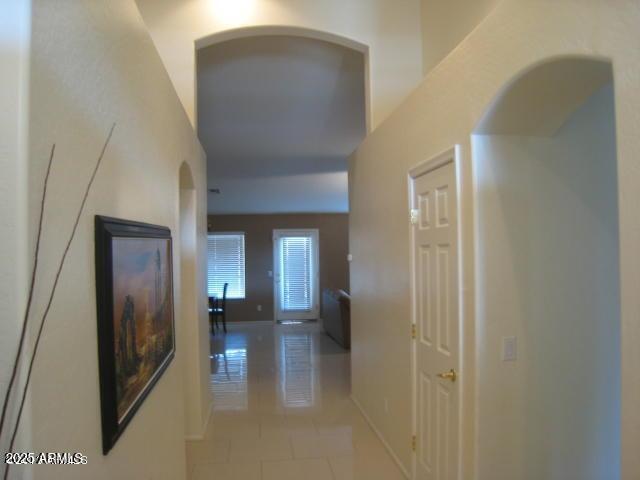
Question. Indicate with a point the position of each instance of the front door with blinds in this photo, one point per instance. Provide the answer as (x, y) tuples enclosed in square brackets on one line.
[(295, 275)]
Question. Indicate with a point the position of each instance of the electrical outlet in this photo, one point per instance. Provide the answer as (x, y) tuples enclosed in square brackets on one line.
[(259, 307)]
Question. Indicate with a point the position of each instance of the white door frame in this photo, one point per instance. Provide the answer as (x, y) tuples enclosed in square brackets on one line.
[(315, 236), (452, 155)]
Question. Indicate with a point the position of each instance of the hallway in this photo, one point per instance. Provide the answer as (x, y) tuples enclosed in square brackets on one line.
[(283, 411), (449, 188)]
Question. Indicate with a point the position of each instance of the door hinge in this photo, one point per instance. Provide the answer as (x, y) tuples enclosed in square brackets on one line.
[(413, 331), (413, 443), (413, 216)]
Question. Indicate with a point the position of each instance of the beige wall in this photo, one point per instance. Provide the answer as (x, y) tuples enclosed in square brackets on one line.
[(258, 229), (15, 33), (441, 112), (194, 341), (391, 30), (445, 24), (92, 64)]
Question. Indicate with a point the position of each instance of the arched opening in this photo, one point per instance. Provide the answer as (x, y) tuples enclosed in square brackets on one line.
[(195, 371), (280, 110), (291, 31), (548, 309)]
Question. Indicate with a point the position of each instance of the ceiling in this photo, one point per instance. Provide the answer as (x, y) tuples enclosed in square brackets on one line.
[(278, 117)]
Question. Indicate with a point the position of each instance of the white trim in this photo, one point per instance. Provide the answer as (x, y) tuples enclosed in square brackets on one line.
[(203, 434), (475, 229), (451, 155), (208, 420), (403, 469)]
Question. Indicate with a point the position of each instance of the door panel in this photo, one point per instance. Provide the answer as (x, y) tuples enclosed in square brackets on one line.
[(425, 437), (443, 300), (437, 323), (424, 285), (443, 441)]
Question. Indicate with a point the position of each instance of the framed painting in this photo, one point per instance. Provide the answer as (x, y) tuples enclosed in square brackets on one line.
[(136, 335)]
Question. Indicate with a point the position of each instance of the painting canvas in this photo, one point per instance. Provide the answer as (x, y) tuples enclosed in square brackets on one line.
[(135, 316)]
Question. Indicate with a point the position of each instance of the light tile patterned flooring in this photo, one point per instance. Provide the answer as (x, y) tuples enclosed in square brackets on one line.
[(282, 411)]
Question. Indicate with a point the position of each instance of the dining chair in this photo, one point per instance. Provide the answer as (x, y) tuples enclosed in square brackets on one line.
[(218, 308)]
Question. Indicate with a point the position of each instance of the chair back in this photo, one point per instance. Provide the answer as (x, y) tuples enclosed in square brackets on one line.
[(224, 296)]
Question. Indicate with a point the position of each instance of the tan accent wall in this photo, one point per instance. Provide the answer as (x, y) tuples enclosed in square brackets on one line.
[(258, 230)]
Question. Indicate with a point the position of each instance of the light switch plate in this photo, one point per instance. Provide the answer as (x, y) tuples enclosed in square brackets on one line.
[(509, 349), (349, 258)]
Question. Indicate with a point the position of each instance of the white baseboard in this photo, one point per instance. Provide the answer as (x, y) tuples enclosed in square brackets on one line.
[(254, 322), (203, 434), (382, 439), (317, 322), (208, 420)]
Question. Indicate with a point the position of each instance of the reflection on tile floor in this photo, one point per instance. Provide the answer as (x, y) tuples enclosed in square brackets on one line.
[(282, 411)]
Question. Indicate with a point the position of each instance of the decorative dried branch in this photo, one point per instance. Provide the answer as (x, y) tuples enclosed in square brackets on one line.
[(52, 295), (32, 282)]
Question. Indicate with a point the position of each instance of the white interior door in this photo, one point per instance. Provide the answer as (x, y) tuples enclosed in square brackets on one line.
[(437, 355), (296, 275)]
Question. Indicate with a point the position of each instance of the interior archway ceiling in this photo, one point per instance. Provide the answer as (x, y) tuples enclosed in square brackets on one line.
[(278, 117)]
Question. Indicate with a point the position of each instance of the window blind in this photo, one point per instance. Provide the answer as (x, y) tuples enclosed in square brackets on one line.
[(297, 275), (225, 264)]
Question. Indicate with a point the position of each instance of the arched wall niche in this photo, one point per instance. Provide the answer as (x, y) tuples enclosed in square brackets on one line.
[(548, 274), (293, 31), (539, 100)]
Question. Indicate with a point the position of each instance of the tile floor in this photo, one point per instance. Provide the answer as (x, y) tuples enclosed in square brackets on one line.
[(282, 411)]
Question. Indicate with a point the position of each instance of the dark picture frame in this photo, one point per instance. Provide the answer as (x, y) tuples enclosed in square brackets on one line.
[(135, 312)]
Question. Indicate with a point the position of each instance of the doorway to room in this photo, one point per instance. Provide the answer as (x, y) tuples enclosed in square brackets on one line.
[(280, 111)]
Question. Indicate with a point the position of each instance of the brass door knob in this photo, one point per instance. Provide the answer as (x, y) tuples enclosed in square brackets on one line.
[(450, 375)]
